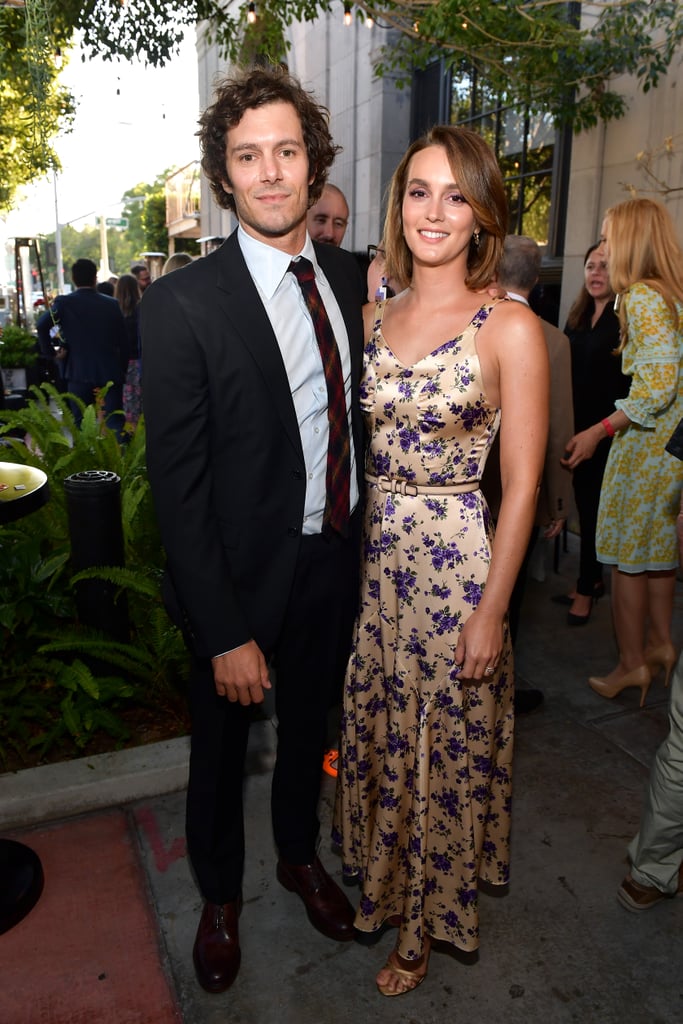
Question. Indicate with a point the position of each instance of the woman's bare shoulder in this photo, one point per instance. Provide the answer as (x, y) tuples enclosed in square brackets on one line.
[(512, 326)]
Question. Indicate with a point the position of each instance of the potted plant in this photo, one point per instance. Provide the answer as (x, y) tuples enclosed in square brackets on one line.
[(18, 352)]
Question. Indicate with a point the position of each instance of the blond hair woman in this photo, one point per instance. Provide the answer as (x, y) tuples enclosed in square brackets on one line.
[(641, 488)]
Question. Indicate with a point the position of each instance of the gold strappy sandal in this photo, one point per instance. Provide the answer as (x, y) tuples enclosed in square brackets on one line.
[(410, 979)]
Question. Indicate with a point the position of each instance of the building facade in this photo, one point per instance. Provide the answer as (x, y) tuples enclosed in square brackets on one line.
[(559, 185)]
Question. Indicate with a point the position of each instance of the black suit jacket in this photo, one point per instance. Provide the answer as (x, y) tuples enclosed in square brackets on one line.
[(92, 326), (224, 453)]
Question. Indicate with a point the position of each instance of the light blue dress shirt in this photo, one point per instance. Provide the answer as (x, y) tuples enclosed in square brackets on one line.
[(292, 325)]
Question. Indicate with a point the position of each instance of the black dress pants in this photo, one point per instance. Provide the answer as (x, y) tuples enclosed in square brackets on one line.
[(309, 659)]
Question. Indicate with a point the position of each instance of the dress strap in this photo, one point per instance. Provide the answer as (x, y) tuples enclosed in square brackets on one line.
[(481, 316), (380, 306)]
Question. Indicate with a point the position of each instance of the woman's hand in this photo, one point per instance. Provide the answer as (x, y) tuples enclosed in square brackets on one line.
[(582, 446), (480, 646)]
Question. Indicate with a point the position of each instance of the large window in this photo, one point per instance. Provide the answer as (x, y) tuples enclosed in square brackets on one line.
[(532, 155), (524, 145)]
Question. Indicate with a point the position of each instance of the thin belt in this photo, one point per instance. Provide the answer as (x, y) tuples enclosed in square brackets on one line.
[(395, 485)]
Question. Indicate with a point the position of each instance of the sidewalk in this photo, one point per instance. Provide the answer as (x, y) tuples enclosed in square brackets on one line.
[(111, 938)]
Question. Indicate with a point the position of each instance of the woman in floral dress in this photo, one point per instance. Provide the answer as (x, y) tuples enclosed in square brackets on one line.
[(423, 797), (641, 489)]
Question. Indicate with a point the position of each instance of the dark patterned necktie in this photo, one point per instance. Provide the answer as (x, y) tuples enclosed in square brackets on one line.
[(338, 477)]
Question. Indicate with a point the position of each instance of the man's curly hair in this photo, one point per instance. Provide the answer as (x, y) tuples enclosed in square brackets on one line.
[(247, 90)]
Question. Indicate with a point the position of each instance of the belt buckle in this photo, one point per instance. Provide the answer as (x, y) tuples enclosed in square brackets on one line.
[(395, 485)]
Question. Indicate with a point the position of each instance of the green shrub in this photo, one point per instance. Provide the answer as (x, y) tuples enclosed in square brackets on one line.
[(59, 679), (18, 348)]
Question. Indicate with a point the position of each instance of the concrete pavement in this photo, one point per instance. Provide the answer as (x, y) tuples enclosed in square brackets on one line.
[(556, 948)]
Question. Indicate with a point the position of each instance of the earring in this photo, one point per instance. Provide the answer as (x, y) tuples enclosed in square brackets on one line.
[(475, 237)]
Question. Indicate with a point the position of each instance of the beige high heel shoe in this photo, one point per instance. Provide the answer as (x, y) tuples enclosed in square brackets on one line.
[(640, 677), (664, 657)]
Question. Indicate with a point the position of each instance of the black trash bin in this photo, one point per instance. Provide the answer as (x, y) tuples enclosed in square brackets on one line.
[(93, 499)]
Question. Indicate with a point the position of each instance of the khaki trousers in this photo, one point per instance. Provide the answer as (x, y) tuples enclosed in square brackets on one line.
[(656, 852)]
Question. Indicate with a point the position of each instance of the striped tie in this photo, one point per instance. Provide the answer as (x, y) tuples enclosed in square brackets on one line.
[(338, 477)]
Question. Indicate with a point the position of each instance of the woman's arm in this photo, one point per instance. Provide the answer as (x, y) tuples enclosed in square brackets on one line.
[(654, 346), (516, 349), (582, 445)]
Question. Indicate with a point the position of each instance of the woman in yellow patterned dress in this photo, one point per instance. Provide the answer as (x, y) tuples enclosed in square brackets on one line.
[(423, 797), (641, 488)]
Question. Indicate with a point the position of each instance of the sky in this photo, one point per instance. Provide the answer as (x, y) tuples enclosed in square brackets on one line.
[(132, 123)]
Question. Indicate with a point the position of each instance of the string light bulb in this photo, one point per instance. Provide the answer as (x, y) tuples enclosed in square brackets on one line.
[(251, 13), (369, 20), (347, 14)]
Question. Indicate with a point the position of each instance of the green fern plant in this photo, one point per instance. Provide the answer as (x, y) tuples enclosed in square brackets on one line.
[(59, 680)]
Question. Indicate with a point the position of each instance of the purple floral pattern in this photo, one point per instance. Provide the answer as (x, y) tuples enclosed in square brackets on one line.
[(424, 787)]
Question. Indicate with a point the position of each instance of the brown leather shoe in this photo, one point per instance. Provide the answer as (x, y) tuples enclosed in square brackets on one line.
[(216, 952), (637, 897), (327, 907)]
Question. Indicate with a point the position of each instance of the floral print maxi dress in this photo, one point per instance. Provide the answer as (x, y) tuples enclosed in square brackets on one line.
[(424, 786), (641, 488)]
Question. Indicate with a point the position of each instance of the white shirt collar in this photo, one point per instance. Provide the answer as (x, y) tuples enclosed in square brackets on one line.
[(268, 265), (517, 297)]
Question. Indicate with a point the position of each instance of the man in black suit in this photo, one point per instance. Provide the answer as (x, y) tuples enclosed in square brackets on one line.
[(95, 348), (255, 478)]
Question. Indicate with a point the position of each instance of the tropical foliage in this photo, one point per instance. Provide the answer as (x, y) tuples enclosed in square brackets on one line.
[(60, 680)]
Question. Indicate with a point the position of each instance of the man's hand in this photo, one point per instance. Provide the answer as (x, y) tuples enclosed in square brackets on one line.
[(241, 675), (554, 528)]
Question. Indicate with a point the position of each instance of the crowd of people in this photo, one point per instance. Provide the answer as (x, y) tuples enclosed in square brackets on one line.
[(92, 337), (316, 446)]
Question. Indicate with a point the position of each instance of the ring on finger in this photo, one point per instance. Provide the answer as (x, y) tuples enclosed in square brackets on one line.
[(489, 670)]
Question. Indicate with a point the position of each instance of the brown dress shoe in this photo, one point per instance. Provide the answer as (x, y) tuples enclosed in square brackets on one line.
[(216, 952), (637, 897), (327, 907)]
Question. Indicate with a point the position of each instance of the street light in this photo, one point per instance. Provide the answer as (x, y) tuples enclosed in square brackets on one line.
[(58, 239)]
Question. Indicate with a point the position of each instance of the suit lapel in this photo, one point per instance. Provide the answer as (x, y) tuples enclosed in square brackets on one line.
[(241, 304)]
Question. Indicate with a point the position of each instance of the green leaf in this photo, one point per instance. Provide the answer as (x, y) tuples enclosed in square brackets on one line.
[(72, 720)]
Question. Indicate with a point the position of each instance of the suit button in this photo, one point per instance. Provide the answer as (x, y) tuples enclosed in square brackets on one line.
[(292, 531), (297, 474)]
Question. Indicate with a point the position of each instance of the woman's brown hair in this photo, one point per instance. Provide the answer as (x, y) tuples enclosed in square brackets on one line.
[(127, 292), (579, 316), (478, 177)]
